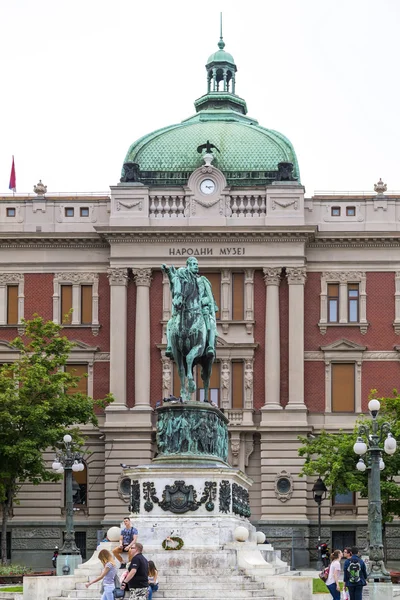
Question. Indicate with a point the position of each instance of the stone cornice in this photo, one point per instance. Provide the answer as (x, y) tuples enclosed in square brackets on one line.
[(210, 234), (51, 240), (352, 239)]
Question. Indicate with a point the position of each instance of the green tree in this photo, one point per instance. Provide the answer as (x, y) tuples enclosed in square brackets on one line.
[(331, 456), (36, 410)]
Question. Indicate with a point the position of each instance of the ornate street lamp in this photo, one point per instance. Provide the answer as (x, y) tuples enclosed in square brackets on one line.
[(374, 436), (66, 461), (319, 491)]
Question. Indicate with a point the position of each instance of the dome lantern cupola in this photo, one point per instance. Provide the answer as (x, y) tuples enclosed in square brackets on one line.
[(221, 82), (221, 69)]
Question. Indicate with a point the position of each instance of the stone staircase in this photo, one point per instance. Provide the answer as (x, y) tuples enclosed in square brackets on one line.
[(199, 584)]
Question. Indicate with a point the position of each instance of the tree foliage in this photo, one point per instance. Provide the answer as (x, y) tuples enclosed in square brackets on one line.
[(38, 405), (331, 456)]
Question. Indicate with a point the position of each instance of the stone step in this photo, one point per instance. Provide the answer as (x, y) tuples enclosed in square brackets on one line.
[(187, 585), (190, 595)]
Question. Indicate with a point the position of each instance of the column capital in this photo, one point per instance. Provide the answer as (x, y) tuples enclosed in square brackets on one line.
[(117, 276), (296, 275), (272, 275), (142, 276)]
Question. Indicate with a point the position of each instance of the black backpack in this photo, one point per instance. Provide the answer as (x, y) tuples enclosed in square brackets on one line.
[(354, 571)]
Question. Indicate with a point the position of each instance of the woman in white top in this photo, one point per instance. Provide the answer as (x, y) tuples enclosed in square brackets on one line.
[(332, 583)]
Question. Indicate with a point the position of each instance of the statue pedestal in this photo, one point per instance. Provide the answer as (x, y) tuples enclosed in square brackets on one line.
[(200, 503), (190, 492)]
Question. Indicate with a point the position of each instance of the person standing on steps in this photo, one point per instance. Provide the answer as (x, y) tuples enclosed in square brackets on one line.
[(107, 575), (137, 580), (355, 575), (127, 542)]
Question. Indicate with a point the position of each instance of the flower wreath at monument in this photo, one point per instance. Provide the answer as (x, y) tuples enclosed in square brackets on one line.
[(178, 543)]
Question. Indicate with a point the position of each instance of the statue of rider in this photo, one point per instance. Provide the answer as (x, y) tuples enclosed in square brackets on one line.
[(205, 296)]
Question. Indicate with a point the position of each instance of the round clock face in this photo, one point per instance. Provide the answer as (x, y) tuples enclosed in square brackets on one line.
[(207, 186)]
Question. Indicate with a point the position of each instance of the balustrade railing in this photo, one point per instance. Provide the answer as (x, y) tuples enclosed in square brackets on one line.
[(167, 207), (248, 206), (164, 206)]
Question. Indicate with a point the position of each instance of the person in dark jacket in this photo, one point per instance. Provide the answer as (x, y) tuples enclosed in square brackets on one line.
[(355, 575)]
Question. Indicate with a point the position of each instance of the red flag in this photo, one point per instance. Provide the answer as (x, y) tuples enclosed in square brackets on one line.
[(13, 179)]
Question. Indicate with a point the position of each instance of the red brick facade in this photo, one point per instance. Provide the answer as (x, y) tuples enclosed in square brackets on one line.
[(380, 336)]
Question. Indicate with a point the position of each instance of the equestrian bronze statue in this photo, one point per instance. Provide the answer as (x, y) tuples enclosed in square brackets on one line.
[(192, 328)]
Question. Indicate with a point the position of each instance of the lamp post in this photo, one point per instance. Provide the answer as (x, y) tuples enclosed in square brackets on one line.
[(374, 436), (66, 461), (319, 491)]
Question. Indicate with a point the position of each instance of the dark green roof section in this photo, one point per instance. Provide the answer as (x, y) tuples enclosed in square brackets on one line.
[(245, 148)]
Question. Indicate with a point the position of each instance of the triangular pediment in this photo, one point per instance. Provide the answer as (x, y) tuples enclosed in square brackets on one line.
[(343, 345), (78, 345)]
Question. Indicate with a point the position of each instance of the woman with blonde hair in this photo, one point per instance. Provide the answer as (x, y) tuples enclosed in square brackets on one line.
[(107, 575), (332, 583)]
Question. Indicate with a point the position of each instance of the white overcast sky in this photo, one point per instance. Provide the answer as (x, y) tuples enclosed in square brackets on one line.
[(81, 80)]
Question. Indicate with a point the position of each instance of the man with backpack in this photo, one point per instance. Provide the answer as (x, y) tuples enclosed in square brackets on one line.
[(355, 575)]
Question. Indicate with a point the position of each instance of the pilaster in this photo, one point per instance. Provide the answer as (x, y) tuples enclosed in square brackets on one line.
[(118, 279), (272, 278), (142, 279), (296, 279)]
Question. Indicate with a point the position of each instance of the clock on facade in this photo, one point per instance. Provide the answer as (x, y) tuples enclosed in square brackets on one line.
[(207, 186)]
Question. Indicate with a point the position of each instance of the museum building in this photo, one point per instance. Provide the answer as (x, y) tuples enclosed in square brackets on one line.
[(308, 295)]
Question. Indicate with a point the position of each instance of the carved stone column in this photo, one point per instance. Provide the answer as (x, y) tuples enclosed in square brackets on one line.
[(272, 278), (142, 337), (166, 377), (249, 299), (296, 278), (225, 307), (118, 278), (248, 384), (226, 384), (167, 304)]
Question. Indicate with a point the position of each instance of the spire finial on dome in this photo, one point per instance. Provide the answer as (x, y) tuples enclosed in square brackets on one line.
[(221, 43)]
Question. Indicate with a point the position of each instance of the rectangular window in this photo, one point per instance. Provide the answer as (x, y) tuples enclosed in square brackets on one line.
[(238, 296), (213, 392), (343, 387), (86, 304), (237, 384), (66, 304), (12, 304), (353, 301), (351, 211), (10, 212), (333, 303), (69, 211), (347, 498), (335, 211), (78, 370), (215, 280), (84, 211)]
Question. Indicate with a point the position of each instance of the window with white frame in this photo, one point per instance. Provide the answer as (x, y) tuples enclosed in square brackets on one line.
[(343, 300), (343, 361), (76, 300), (11, 298)]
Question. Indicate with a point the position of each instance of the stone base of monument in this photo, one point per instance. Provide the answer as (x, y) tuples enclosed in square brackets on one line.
[(200, 503)]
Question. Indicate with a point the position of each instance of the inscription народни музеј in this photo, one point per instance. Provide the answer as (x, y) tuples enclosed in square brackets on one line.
[(230, 251)]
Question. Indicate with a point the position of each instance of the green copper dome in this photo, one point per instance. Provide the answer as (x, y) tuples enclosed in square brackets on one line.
[(246, 150), (246, 153)]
